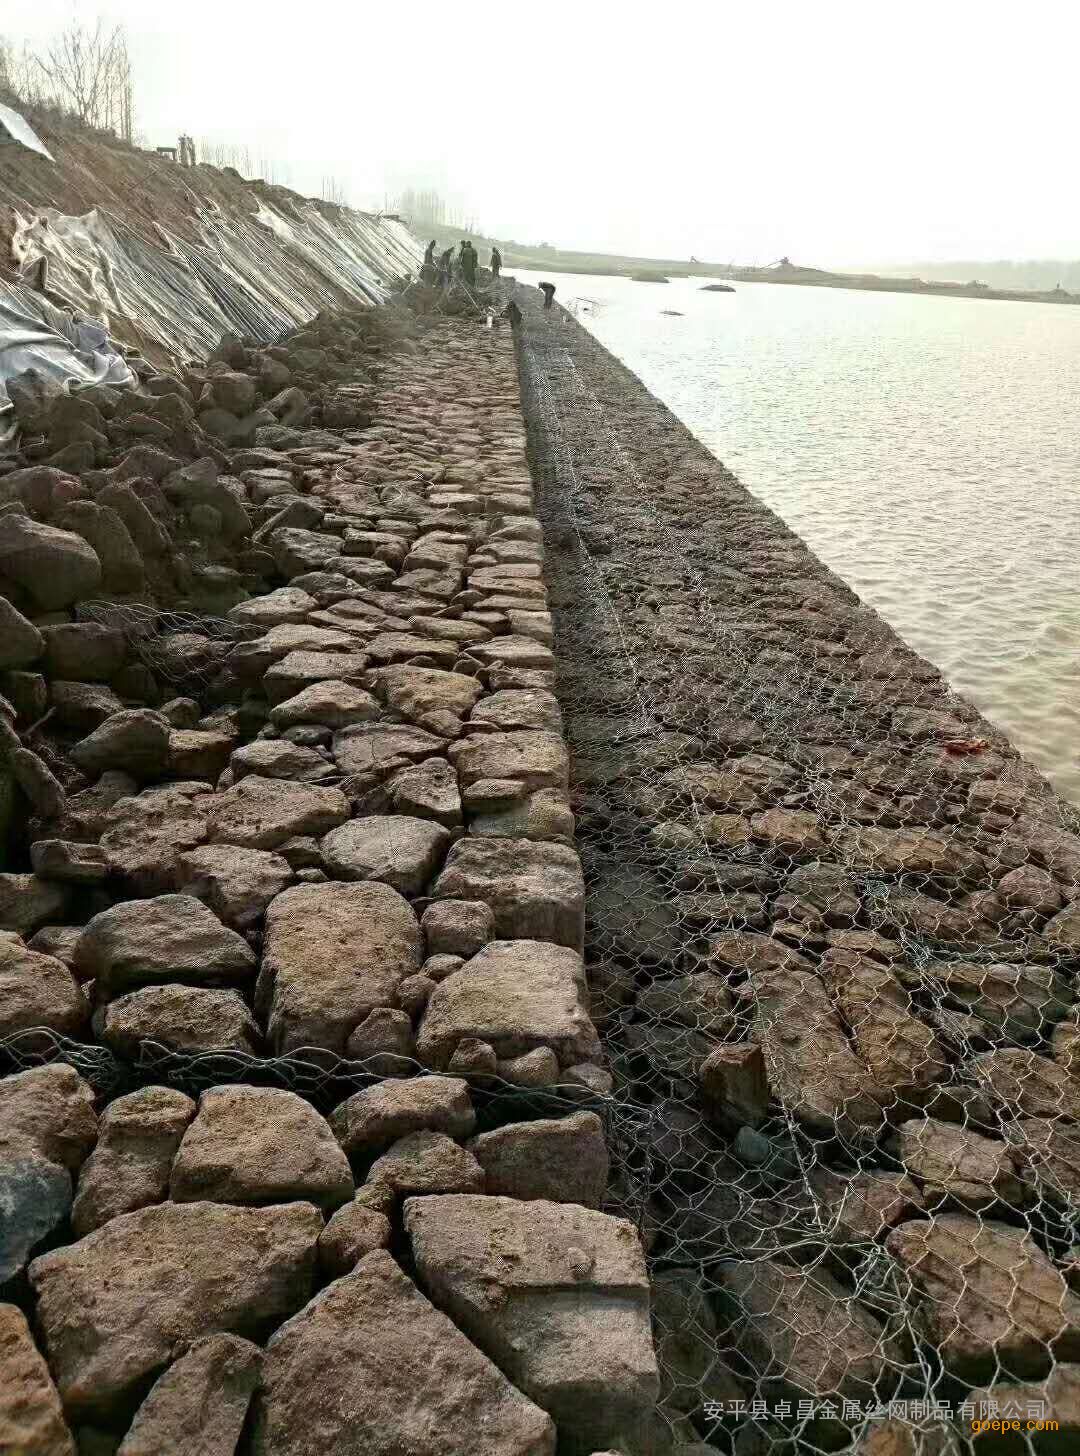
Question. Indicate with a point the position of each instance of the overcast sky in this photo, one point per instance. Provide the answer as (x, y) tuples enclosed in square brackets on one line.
[(834, 132)]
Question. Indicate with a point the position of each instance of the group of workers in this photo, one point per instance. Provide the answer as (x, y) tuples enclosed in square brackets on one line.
[(441, 270)]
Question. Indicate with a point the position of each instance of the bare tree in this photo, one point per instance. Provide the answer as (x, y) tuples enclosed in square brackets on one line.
[(88, 73)]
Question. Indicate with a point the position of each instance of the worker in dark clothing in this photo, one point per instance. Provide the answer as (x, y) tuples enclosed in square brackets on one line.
[(429, 252), (513, 313), (496, 262), (446, 265), (469, 260), (548, 290)]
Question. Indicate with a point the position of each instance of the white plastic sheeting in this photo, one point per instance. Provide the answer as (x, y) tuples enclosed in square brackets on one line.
[(15, 128), (69, 351), (257, 274)]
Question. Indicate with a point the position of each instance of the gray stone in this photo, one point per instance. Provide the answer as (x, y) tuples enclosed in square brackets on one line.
[(457, 927), (517, 996), (20, 641), (735, 1086), (427, 1162), (562, 1159), (27, 902), (279, 758), (115, 1307), (371, 1120), (427, 790), (383, 1042), (416, 691), (535, 889), (135, 741), (395, 849), (70, 864), (332, 954), (37, 991), (991, 1300), (334, 703), (261, 813), (129, 1168), (805, 1330), (259, 1145), (237, 884), (169, 938), (535, 758), (371, 1368), (31, 1418), (55, 567), (350, 1235), (181, 1019), (146, 834), (503, 1270), (84, 651)]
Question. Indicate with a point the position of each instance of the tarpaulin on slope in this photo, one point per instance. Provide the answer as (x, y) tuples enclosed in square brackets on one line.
[(69, 351), (257, 274)]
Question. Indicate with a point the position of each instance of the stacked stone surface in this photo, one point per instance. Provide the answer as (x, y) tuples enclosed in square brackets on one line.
[(259, 853)]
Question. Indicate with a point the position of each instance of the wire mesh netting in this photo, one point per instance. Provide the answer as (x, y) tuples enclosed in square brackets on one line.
[(183, 648), (832, 936)]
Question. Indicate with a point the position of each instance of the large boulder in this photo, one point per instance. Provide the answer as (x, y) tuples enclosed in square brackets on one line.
[(20, 641), (262, 813), (199, 1405), (129, 1168), (332, 954), (957, 1163), (115, 1307), (135, 741), (516, 995), (47, 1127), (395, 849), (536, 890), (803, 1333), (563, 1159), (28, 902), (54, 567), (371, 1368), (169, 938), (146, 834), (236, 883), (992, 1302), (259, 1145), (536, 759), (31, 1418), (104, 530), (415, 691), (375, 1117), (556, 1295), (37, 990), (180, 1019)]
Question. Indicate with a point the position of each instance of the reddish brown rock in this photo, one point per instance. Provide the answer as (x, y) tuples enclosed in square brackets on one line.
[(129, 1168), (371, 1368), (198, 1406), (114, 1307), (31, 1419), (991, 1297)]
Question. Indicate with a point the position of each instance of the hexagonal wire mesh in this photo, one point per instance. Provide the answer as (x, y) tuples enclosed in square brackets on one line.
[(828, 953)]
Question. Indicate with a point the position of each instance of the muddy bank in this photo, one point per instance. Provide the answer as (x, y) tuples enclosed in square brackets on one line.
[(832, 934)]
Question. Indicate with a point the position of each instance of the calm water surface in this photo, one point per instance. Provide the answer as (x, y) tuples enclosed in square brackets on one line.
[(927, 449)]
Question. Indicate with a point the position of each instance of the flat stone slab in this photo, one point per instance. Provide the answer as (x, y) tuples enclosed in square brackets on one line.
[(259, 1145), (332, 954), (114, 1307), (516, 996), (396, 849), (535, 889), (556, 1294), (371, 1368), (262, 813)]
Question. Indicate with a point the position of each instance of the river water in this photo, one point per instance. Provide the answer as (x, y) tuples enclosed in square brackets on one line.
[(927, 449)]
